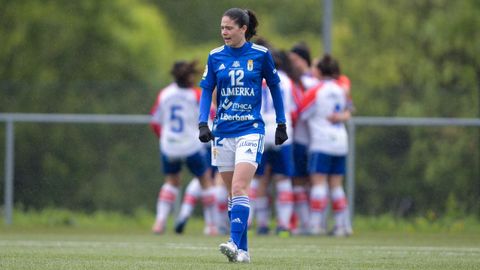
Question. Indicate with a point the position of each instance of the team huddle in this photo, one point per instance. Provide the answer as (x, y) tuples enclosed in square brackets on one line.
[(265, 134)]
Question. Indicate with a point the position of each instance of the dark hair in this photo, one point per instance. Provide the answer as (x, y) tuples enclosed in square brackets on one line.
[(263, 42), (328, 66), (181, 71), (283, 62), (244, 17), (302, 50)]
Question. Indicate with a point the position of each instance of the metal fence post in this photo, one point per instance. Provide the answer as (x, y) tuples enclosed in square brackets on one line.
[(327, 25), (9, 170), (350, 181)]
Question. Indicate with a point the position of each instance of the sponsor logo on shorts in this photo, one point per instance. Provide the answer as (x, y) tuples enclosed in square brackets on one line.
[(248, 144)]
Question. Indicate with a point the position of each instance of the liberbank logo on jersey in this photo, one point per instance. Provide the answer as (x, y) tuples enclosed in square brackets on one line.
[(236, 117), (238, 91)]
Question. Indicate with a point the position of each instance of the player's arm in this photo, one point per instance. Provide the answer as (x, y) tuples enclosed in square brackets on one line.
[(278, 103), (155, 121), (205, 104)]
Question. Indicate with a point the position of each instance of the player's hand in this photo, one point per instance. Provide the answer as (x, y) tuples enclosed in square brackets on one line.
[(281, 134), (205, 135)]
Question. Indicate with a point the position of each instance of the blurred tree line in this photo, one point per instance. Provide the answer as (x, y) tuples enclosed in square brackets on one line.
[(404, 58)]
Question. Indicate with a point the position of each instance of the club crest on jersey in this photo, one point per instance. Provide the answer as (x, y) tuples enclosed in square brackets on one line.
[(250, 65), (236, 64)]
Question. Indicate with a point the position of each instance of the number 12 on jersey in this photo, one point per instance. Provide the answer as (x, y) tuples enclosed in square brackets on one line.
[(236, 77)]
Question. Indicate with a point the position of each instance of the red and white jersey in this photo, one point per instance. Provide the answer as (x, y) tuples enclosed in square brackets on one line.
[(301, 133), (176, 112), (268, 111), (344, 82), (319, 103)]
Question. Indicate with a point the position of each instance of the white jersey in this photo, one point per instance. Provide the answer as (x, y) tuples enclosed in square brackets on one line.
[(268, 111), (176, 111), (301, 135), (319, 103)]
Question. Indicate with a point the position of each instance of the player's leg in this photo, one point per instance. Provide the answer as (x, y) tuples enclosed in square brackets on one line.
[(318, 167), (197, 164), (192, 194), (262, 212), (221, 210), (224, 159), (168, 193), (252, 195), (208, 202), (301, 208), (282, 172), (248, 153), (341, 212)]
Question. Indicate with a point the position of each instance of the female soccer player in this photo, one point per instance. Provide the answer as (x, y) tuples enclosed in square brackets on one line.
[(277, 161), (174, 121), (326, 108), (236, 70)]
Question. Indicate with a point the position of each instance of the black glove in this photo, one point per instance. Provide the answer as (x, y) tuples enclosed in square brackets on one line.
[(205, 135), (281, 134)]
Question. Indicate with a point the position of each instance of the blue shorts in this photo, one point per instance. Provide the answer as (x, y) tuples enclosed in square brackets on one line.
[(280, 159), (300, 160), (196, 163), (326, 164)]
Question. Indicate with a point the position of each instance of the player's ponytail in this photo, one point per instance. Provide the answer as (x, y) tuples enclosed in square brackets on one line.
[(244, 17), (252, 24)]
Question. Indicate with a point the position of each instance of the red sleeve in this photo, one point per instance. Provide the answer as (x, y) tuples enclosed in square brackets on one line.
[(198, 93), (307, 101), (309, 97), (156, 128)]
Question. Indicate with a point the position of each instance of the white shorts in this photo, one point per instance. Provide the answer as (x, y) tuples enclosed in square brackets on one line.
[(227, 152)]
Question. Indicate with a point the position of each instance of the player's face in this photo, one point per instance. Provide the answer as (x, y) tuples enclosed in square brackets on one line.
[(297, 61), (232, 34)]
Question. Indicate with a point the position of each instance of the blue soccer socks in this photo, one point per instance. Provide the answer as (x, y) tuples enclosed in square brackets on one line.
[(239, 221)]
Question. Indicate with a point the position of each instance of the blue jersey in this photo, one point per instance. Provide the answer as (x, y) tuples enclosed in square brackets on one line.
[(237, 73)]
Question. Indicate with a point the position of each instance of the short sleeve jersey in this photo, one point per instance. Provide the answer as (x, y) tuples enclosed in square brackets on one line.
[(268, 111), (319, 103), (237, 73), (176, 110)]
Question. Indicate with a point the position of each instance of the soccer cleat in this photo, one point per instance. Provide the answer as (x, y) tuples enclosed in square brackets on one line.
[(210, 230), (300, 231), (158, 227), (340, 232), (282, 232), (243, 256), (180, 226), (263, 230), (230, 250), (317, 230)]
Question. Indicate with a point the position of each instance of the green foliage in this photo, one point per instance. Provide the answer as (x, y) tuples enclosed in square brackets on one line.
[(404, 58)]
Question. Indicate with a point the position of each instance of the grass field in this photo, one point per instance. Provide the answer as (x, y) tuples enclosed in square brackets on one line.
[(77, 248)]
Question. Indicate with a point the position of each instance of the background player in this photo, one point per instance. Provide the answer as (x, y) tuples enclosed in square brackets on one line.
[(277, 161), (325, 108), (174, 121)]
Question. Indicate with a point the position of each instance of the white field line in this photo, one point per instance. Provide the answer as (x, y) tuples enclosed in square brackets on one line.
[(393, 250)]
